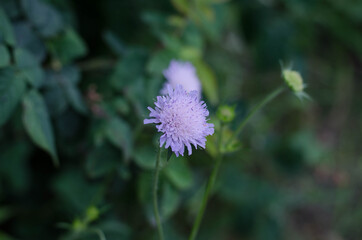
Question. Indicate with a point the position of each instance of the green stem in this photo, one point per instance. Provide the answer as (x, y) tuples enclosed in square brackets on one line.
[(208, 189), (155, 199), (265, 101)]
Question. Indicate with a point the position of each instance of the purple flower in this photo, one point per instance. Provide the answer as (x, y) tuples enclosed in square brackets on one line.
[(181, 117), (181, 73)]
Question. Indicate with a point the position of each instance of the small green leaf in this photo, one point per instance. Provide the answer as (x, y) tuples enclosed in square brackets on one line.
[(119, 133), (4, 56), (12, 87), (67, 46), (179, 173), (7, 34), (37, 123)]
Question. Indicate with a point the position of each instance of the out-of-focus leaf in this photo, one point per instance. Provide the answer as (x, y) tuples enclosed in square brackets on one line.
[(73, 188), (7, 34), (131, 67), (67, 46), (37, 123), (5, 214), (145, 157), (245, 189), (170, 201), (101, 160), (12, 87), (5, 236), (44, 17), (11, 8), (179, 173), (55, 101), (190, 53), (74, 96), (121, 105), (208, 81), (29, 67), (63, 85), (144, 193), (13, 166), (119, 133), (114, 43), (114, 229), (4, 56), (181, 5), (144, 187), (159, 62), (26, 38)]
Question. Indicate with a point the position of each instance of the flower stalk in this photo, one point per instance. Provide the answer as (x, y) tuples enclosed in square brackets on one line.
[(264, 102), (155, 199), (219, 157), (209, 186)]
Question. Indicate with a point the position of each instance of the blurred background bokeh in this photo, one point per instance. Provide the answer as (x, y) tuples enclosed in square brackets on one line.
[(75, 80)]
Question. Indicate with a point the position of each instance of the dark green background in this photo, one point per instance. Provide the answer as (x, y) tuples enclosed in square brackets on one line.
[(76, 78)]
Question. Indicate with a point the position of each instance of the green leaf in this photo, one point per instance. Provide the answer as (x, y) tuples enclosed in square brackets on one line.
[(114, 229), (4, 56), (119, 133), (5, 214), (170, 201), (131, 67), (37, 123), (101, 161), (5, 236), (145, 157), (12, 87), (182, 6), (114, 43), (159, 62), (67, 46), (179, 173), (45, 18), (27, 38), (144, 187), (29, 66), (74, 97), (208, 81), (14, 166), (6, 31), (63, 85), (77, 193), (55, 101)]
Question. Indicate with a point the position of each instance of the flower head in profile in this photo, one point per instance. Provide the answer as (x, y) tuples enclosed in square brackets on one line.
[(181, 73), (182, 118), (295, 83)]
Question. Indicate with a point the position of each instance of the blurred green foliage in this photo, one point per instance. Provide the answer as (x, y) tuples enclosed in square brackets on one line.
[(76, 160)]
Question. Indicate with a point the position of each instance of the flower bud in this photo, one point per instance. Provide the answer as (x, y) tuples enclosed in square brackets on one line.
[(92, 214), (294, 80), (226, 113)]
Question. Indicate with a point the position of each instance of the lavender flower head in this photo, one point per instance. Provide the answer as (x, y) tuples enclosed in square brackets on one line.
[(181, 73), (181, 117)]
